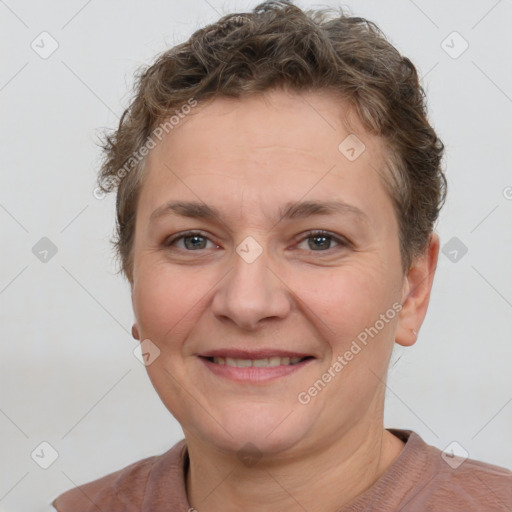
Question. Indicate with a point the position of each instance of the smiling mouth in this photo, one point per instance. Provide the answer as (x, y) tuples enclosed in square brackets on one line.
[(268, 362)]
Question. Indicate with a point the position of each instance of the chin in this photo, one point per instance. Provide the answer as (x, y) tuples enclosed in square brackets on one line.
[(269, 427)]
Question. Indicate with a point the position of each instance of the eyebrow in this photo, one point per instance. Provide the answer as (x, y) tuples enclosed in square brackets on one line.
[(293, 210)]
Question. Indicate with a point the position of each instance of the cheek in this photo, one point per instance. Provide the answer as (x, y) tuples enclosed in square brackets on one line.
[(350, 301), (346, 299), (158, 300)]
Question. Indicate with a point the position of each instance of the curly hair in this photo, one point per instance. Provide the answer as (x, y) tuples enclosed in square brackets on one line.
[(279, 45)]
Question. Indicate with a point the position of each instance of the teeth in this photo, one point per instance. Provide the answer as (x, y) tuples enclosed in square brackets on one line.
[(258, 363)]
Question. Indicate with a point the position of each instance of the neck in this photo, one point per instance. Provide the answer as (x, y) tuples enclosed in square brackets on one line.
[(322, 479)]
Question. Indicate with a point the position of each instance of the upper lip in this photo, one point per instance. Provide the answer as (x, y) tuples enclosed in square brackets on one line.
[(252, 354)]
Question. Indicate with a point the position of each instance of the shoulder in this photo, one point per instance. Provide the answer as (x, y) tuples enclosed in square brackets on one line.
[(121, 490), (454, 483), (105, 490), (474, 485)]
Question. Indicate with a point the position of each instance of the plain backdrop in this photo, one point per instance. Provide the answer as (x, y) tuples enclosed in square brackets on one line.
[(69, 376)]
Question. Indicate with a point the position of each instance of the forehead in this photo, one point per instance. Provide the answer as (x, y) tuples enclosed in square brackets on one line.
[(279, 146), (274, 119)]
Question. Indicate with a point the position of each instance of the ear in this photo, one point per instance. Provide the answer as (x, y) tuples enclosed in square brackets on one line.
[(135, 329), (416, 293)]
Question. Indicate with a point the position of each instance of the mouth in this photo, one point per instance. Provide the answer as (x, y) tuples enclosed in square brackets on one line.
[(254, 366), (267, 362)]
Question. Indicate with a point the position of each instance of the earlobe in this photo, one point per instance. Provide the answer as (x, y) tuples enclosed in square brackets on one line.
[(416, 294), (135, 330)]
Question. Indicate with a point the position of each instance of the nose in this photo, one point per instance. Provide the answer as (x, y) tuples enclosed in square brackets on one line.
[(251, 293)]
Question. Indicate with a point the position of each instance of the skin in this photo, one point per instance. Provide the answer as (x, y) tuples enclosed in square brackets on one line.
[(247, 158)]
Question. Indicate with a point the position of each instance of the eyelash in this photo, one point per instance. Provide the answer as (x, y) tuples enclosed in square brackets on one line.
[(310, 234)]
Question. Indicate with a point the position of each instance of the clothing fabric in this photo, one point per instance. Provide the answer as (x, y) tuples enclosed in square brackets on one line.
[(421, 479)]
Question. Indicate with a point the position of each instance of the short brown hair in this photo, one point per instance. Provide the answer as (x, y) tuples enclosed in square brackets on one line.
[(278, 45)]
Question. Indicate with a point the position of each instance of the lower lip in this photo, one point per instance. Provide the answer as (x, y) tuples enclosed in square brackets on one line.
[(252, 373)]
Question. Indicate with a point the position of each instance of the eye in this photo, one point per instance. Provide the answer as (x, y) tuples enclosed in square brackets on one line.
[(322, 240), (193, 240), (196, 240)]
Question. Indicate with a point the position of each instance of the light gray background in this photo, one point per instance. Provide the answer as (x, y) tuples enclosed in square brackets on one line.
[(68, 374)]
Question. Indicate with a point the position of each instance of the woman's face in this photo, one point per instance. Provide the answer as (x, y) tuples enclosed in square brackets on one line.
[(254, 285)]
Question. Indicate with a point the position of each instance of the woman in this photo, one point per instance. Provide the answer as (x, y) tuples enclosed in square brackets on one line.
[(277, 187)]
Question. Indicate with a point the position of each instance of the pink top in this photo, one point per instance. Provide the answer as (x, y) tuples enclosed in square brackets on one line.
[(419, 480)]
